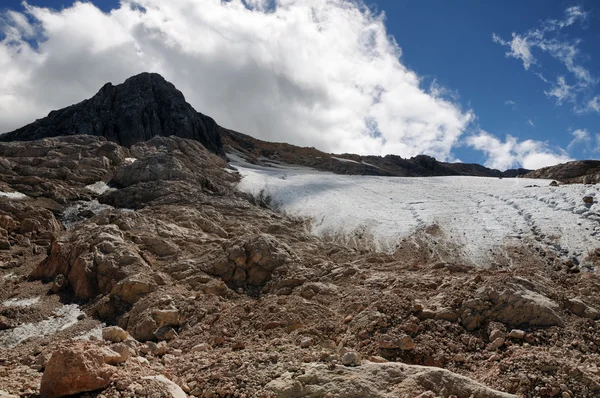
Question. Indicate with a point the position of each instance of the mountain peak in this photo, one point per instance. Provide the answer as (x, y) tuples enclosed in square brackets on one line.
[(144, 106)]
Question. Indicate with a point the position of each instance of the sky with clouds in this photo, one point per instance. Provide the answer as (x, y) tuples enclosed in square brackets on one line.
[(498, 82)]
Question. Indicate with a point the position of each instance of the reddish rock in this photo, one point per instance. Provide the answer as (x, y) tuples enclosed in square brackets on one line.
[(75, 369)]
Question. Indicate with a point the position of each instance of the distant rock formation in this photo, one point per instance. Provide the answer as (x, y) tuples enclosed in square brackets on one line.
[(144, 106), (269, 153), (577, 172)]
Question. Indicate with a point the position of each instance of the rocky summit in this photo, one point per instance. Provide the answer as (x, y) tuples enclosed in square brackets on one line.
[(142, 270), (142, 107)]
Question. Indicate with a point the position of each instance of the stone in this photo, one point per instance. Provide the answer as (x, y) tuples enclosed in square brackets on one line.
[(166, 317), (496, 334), (58, 283), (517, 334), (144, 106), (165, 333), (351, 358), (588, 200), (114, 334), (496, 344), (5, 323), (4, 244), (403, 342), (517, 305), (377, 380), (75, 369), (578, 307), (306, 342), (112, 357), (157, 349), (201, 347), (172, 389)]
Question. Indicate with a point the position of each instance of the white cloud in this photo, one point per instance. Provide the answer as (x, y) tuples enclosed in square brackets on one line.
[(511, 153), (580, 136), (593, 105), (549, 39), (512, 104), (323, 73)]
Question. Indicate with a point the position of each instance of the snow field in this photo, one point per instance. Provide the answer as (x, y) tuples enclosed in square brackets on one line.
[(478, 214)]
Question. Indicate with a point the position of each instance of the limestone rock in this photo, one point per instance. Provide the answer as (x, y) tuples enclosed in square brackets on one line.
[(143, 106), (578, 307), (75, 369), (114, 334), (377, 380), (517, 334), (172, 390)]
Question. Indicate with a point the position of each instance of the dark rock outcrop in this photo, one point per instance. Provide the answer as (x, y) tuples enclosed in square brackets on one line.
[(580, 171), (142, 107)]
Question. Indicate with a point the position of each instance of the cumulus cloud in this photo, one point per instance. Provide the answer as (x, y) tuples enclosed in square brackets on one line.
[(321, 73), (511, 153), (550, 39)]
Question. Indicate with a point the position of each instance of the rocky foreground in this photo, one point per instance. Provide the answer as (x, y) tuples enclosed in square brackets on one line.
[(142, 271)]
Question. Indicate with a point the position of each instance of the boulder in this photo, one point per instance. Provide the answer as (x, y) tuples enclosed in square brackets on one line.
[(114, 334), (171, 389), (377, 380), (74, 369), (578, 307), (514, 306)]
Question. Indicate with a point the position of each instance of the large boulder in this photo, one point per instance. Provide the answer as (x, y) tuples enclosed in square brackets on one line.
[(377, 380), (78, 368), (94, 259), (514, 305)]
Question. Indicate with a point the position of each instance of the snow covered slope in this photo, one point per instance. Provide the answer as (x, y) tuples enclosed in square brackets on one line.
[(480, 215)]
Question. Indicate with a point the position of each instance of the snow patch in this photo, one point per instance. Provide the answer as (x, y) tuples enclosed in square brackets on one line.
[(15, 302), (99, 187), (72, 215), (13, 195), (130, 160), (66, 316), (344, 160)]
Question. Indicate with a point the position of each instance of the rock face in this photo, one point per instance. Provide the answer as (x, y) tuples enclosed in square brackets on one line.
[(75, 369), (580, 171), (142, 107), (376, 380)]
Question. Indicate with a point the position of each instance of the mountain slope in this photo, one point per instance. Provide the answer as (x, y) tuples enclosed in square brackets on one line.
[(268, 153), (144, 106)]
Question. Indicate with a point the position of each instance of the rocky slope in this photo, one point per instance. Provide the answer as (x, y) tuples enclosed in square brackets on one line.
[(268, 153), (207, 292), (142, 107), (577, 172)]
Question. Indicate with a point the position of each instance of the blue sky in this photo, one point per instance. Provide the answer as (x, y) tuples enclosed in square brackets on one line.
[(451, 41), (494, 83)]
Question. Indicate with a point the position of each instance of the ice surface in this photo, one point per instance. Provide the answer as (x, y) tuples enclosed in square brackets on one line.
[(15, 302), (65, 316), (13, 195), (476, 213)]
